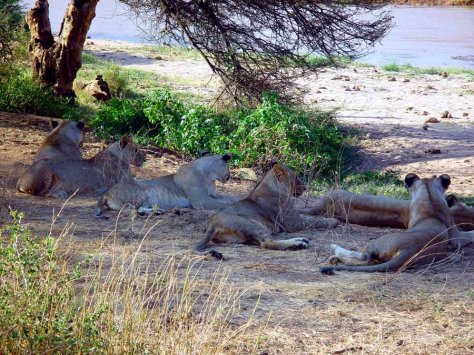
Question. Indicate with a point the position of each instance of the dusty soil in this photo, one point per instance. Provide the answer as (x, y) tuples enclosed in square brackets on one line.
[(428, 310), (390, 109)]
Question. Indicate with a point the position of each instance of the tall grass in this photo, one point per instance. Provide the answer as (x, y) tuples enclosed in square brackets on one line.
[(113, 303)]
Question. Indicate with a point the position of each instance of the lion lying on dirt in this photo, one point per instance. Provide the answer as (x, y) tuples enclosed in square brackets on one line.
[(192, 186), (63, 142), (463, 215), (268, 209), (426, 240), (61, 178), (380, 211)]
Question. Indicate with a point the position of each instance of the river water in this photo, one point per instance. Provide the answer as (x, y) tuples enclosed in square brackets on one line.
[(422, 36)]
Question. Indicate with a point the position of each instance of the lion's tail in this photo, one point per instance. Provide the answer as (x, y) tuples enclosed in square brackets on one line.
[(203, 243), (393, 264)]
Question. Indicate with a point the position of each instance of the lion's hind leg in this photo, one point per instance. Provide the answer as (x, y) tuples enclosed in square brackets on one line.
[(346, 256)]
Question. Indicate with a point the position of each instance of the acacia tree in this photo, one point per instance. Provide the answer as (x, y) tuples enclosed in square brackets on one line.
[(56, 62), (251, 44)]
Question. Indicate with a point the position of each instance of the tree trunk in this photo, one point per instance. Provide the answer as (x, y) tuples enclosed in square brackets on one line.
[(56, 62)]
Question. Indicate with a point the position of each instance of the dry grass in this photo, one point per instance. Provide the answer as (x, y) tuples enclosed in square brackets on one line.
[(114, 302), (276, 301)]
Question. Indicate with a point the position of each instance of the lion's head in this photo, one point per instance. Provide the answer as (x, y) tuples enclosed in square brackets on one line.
[(215, 167), (73, 131), (283, 181), (131, 152)]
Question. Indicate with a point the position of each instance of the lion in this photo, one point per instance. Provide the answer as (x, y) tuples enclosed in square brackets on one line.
[(427, 238), (463, 215), (63, 142), (61, 178), (380, 211), (268, 209), (192, 186)]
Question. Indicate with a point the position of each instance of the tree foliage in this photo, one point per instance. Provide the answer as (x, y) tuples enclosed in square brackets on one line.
[(251, 44), (10, 20)]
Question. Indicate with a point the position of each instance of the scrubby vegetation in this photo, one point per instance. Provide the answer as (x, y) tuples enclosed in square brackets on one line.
[(50, 305), (301, 139), (393, 67)]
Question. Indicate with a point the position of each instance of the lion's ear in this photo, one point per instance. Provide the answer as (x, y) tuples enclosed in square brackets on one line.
[(80, 125), (54, 124), (451, 200), (226, 156), (410, 179), (445, 181)]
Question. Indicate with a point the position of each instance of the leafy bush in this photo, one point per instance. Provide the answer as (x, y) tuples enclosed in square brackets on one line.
[(117, 80), (37, 310), (19, 92), (300, 139), (119, 117)]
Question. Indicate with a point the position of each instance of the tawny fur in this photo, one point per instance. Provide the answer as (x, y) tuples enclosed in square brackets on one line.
[(381, 211), (61, 178), (268, 209), (192, 186), (63, 142), (426, 239)]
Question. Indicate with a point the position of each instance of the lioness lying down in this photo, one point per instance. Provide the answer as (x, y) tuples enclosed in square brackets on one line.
[(63, 142), (60, 178), (192, 186), (268, 209), (381, 211), (426, 240)]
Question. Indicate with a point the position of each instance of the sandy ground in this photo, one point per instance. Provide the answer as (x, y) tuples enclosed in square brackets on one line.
[(390, 108), (427, 310)]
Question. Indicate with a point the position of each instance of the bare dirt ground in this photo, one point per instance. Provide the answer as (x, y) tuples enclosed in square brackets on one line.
[(426, 311), (391, 108)]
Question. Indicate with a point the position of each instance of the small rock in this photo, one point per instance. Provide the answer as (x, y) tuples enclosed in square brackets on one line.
[(425, 113), (433, 151), (356, 88), (348, 89), (159, 57), (400, 342), (89, 43), (409, 108), (406, 80), (322, 87), (446, 114), (467, 161), (346, 78), (430, 87), (392, 78), (355, 70), (318, 91), (425, 127), (432, 120), (444, 75), (465, 114), (376, 71)]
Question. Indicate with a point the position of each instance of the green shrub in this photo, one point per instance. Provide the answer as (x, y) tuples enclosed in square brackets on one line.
[(22, 94), (37, 309), (117, 80), (119, 117), (301, 139)]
